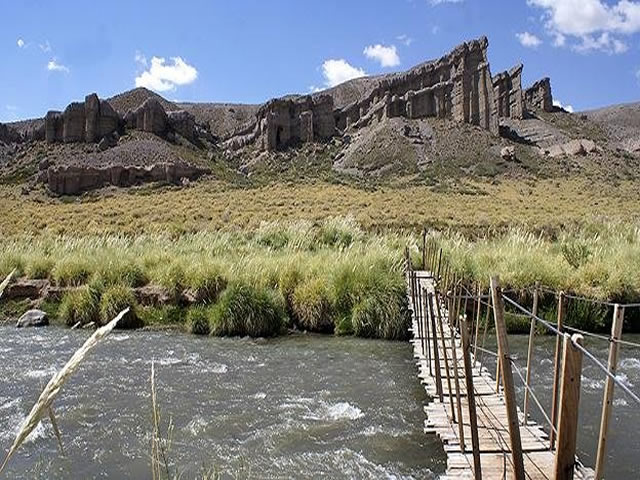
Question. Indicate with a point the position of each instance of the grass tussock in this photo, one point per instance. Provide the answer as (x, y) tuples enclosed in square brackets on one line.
[(198, 319), (248, 310)]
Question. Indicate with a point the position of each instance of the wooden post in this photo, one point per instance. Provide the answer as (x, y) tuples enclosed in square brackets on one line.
[(556, 369), (445, 356), (616, 333), (532, 334), (507, 379), (486, 325), (565, 460), (478, 314), (471, 399), (436, 356), (425, 328), (456, 379), (439, 264), (424, 249)]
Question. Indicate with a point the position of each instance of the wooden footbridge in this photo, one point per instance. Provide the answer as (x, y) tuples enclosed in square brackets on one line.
[(485, 435)]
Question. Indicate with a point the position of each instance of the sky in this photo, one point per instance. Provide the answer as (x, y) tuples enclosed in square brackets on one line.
[(248, 51)]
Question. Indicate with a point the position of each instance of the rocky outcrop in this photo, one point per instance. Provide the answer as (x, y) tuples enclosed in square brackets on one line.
[(148, 117), (458, 86), (33, 318), (539, 97), (572, 148), (507, 93), (8, 134), (87, 121), (73, 180), (183, 123)]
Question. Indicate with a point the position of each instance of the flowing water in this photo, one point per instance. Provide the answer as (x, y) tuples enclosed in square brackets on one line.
[(302, 406)]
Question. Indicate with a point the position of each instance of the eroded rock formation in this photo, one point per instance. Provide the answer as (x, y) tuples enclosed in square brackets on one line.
[(8, 134), (507, 93), (87, 121), (538, 96), (458, 86), (72, 180)]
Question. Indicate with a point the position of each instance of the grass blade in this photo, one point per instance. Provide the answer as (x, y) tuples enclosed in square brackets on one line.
[(52, 389), (6, 281), (56, 430)]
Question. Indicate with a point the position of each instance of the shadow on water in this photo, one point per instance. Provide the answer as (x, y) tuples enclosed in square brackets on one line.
[(296, 407)]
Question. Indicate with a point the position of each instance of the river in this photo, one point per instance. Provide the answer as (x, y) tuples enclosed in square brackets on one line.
[(302, 406)]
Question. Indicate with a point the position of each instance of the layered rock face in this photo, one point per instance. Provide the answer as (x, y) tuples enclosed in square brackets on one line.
[(72, 180), (148, 117), (507, 93), (538, 96), (87, 121), (459, 87)]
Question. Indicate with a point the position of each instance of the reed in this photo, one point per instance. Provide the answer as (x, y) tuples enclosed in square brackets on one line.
[(6, 281), (44, 404)]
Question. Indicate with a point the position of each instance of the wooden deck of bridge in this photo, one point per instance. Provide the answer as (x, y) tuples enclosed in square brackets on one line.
[(493, 431)]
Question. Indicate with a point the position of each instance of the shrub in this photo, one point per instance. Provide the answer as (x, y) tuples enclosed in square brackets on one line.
[(71, 271), (198, 320), (247, 310), (207, 281), (115, 299), (312, 307), (80, 305)]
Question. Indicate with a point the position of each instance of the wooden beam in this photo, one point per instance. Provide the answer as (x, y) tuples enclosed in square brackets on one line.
[(507, 380), (456, 379), (436, 356), (562, 305), (445, 356), (565, 461), (616, 333)]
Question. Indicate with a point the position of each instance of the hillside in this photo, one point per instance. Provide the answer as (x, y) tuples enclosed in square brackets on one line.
[(424, 126)]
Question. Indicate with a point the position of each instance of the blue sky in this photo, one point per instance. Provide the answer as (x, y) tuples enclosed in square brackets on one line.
[(251, 50)]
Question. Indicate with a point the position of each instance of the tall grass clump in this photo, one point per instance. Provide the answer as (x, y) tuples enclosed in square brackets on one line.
[(311, 306), (115, 299), (207, 280), (198, 320), (81, 305), (247, 310), (72, 271)]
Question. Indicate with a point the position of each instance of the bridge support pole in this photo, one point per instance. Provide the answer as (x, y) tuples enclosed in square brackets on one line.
[(507, 380), (532, 334), (445, 355), (616, 333), (562, 306), (565, 461), (436, 356), (471, 398)]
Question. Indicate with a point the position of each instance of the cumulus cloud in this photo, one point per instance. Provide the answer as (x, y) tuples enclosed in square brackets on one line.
[(386, 56), (558, 103), (529, 40), (54, 66), (165, 75), (593, 24), (20, 43), (337, 71)]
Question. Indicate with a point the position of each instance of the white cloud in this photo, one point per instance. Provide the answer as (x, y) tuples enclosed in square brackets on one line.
[(140, 59), (20, 43), (11, 108), (163, 76), (386, 56), (54, 66), (558, 103), (45, 47), (405, 39), (592, 23), (339, 71), (528, 40), (438, 2)]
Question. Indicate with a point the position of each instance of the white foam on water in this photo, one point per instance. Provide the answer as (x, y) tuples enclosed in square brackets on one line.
[(43, 373), (219, 368), (624, 379), (259, 396), (168, 361), (546, 361), (9, 403), (344, 411), (592, 383), (119, 337), (196, 426), (620, 402), (630, 363)]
